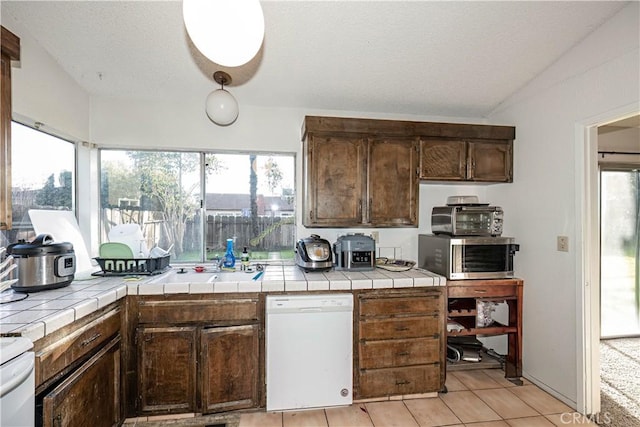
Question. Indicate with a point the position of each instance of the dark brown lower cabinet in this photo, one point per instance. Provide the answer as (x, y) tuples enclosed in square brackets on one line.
[(230, 368), (166, 369), (400, 342), (90, 396), (197, 353)]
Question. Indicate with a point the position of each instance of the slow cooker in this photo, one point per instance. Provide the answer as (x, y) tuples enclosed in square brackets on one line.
[(42, 264), (313, 254)]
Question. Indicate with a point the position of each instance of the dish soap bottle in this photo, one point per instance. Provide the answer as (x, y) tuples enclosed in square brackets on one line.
[(244, 259), (229, 257)]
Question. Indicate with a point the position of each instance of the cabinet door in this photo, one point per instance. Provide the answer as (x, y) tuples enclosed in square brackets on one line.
[(490, 161), (335, 181), (90, 396), (166, 369), (230, 365), (393, 182), (444, 160)]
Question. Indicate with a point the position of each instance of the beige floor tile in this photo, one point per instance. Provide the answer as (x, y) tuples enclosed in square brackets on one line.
[(498, 376), (505, 403), (431, 412), (453, 383), (487, 424), (261, 419), (540, 400), (468, 407), (570, 419), (311, 418), (390, 414), (539, 421), (477, 380), (355, 415)]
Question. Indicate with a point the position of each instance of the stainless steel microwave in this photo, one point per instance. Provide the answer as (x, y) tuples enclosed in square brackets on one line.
[(461, 220), (468, 257)]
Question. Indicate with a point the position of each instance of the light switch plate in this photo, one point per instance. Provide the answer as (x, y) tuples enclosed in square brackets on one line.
[(563, 243)]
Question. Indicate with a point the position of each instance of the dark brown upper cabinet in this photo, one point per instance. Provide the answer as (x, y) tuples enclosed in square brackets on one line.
[(366, 172), (359, 179), (466, 160)]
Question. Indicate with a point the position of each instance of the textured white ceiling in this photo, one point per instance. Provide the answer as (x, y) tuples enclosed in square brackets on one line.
[(456, 58)]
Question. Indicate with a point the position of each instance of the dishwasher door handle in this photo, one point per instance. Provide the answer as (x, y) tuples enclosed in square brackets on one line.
[(311, 310)]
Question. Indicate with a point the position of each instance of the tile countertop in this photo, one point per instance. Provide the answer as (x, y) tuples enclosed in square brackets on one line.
[(42, 313)]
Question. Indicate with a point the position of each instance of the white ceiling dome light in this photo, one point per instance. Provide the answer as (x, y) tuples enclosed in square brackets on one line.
[(228, 32), (221, 106)]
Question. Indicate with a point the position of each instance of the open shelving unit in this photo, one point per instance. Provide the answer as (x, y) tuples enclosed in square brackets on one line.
[(462, 310)]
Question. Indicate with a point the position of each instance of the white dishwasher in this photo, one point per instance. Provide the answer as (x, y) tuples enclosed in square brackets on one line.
[(309, 351)]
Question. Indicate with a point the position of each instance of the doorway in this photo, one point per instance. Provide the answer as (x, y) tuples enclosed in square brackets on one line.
[(619, 251), (619, 268)]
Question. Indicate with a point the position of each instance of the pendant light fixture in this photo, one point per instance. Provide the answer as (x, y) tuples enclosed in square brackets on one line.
[(221, 106), (228, 32)]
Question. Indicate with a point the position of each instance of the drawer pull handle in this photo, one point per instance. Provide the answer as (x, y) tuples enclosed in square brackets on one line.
[(402, 328), (405, 382), (480, 291), (90, 340), (402, 353)]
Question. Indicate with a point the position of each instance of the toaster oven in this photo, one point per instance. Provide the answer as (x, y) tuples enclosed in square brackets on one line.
[(467, 220)]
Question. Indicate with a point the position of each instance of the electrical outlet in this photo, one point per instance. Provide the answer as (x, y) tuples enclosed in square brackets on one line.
[(563, 243), (376, 236)]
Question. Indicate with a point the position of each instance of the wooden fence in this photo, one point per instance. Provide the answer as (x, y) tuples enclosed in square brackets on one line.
[(274, 234)]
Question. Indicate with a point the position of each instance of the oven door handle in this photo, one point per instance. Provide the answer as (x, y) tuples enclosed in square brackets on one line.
[(9, 384)]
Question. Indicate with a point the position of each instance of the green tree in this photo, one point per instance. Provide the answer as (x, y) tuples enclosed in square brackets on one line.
[(253, 194), (56, 196), (160, 180)]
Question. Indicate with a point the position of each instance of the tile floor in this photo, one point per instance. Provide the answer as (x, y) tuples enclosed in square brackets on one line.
[(476, 398)]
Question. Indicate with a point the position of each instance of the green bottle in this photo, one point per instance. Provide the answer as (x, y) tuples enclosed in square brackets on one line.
[(244, 259)]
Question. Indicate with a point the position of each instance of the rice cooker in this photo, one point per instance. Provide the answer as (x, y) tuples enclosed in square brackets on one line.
[(314, 254), (42, 264)]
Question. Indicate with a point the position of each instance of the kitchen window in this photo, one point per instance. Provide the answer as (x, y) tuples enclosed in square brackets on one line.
[(42, 177), (190, 203)]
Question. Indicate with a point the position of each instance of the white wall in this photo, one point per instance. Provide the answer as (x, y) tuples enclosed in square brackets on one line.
[(599, 75), (43, 91)]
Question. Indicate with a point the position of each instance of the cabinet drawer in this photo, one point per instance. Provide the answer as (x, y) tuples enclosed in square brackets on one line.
[(399, 327), (481, 291), (55, 358), (404, 305), (392, 353), (396, 381), (220, 310)]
